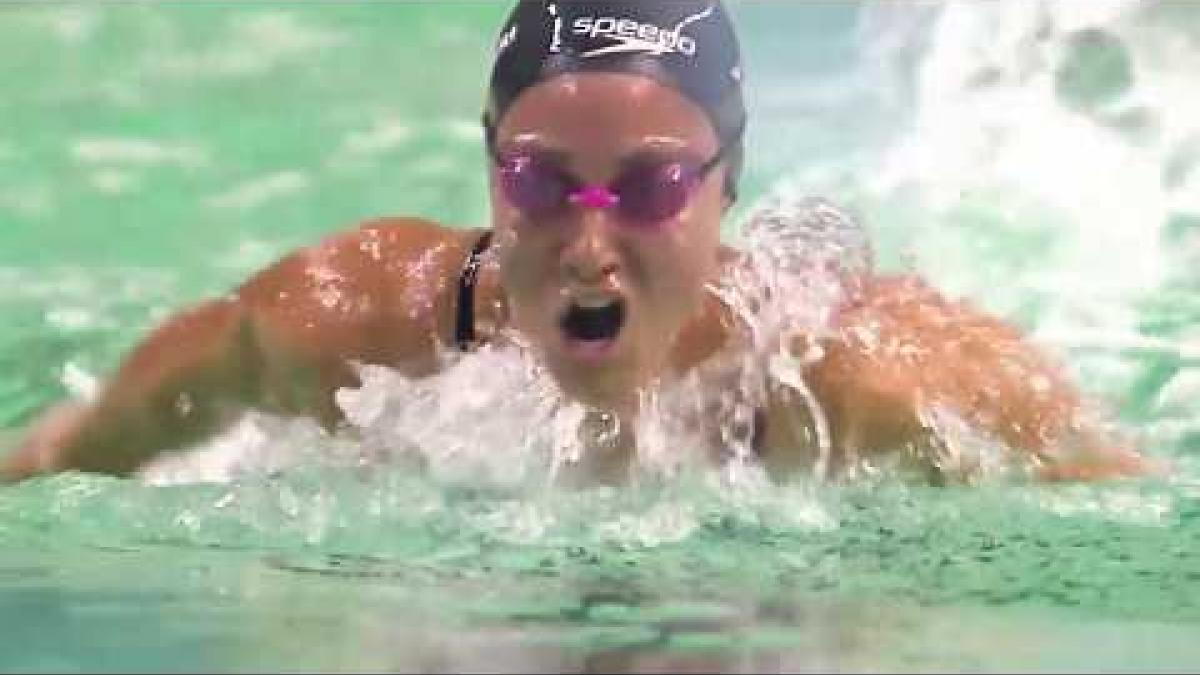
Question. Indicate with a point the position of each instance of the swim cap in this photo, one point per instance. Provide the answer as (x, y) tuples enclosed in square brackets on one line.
[(688, 45)]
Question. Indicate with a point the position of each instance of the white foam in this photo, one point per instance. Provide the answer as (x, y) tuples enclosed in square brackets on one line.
[(496, 415), (255, 446), (998, 188), (80, 383), (113, 182), (462, 130), (72, 25), (140, 152), (69, 319), (258, 191), (384, 136), (30, 200), (254, 46)]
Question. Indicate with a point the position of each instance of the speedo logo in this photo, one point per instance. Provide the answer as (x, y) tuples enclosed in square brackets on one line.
[(635, 36)]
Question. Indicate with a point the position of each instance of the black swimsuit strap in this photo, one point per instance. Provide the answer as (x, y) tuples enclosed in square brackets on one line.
[(464, 329)]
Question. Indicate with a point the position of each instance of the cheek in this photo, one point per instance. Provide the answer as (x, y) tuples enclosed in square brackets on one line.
[(516, 274), (512, 249), (684, 259), (524, 274), (675, 274), (690, 272)]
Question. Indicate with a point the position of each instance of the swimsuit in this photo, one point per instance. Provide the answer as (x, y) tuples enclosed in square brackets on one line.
[(464, 328)]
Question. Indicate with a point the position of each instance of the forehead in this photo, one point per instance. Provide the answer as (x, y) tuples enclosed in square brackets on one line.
[(604, 112)]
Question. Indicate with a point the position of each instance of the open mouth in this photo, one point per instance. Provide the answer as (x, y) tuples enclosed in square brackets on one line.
[(594, 323)]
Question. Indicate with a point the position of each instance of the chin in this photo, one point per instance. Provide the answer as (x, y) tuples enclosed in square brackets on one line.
[(611, 387)]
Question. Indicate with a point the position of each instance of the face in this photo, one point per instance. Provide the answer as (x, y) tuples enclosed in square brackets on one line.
[(602, 288)]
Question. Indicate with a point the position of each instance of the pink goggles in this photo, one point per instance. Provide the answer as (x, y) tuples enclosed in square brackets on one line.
[(646, 193)]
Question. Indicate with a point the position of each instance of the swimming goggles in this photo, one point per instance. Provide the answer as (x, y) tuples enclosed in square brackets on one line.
[(647, 192)]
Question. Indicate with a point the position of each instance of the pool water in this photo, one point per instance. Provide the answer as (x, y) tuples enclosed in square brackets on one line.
[(1038, 158)]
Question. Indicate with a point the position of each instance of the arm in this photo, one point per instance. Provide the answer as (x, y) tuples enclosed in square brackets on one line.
[(899, 351), (284, 343), (169, 392)]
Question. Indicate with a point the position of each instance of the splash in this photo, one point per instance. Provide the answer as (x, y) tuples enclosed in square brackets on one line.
[(497, 416), (980, 159), (1041, 160), (1047, 168)]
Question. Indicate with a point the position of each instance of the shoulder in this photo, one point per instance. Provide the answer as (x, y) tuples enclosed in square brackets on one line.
[(388, 280), (388, 243), (403, 237), (369, 258), (907, 306), (904, 338)]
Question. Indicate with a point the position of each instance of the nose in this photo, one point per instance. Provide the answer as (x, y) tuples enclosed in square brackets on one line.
[(592, 256)]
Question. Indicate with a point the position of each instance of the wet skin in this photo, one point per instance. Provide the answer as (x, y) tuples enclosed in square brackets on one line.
[(385, 293)]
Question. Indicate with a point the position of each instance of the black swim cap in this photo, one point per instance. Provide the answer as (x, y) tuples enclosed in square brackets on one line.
[(688, 45)]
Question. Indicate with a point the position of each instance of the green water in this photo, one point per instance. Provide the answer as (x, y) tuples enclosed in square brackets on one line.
[(152, 155)]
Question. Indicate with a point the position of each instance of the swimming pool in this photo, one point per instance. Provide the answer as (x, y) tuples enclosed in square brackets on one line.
[(1038, 158)]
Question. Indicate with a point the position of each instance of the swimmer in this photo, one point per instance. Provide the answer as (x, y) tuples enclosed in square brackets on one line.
[(614, 136)]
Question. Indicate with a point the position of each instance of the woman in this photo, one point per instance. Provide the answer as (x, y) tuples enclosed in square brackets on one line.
[(614, 134)]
